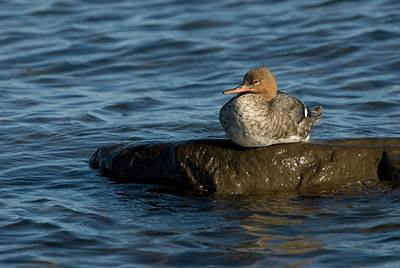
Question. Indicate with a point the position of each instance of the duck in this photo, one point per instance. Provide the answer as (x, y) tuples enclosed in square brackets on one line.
[(261, 115)]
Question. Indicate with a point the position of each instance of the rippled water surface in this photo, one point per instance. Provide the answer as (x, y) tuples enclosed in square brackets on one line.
[(78, 74)]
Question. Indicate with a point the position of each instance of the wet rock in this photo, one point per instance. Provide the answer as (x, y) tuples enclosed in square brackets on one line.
[(219, 166)]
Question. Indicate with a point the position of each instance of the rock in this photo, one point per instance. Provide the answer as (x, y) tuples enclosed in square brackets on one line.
[(219, 166)]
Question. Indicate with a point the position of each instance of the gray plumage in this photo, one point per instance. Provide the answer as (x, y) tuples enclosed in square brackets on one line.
[(262, 116)]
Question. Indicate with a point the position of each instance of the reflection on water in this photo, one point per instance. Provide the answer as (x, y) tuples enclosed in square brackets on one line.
[(271, 224), (309, 230), (75, 75)]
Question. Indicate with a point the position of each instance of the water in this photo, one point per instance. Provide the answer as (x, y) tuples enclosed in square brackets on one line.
[(78, 74)]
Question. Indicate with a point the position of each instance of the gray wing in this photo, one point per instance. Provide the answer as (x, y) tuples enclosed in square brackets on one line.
[(290, 106)]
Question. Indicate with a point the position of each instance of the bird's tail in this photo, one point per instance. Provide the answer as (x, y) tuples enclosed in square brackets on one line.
[(316, 114)]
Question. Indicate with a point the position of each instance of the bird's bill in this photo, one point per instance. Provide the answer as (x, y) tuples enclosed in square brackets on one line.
[(241, 88)]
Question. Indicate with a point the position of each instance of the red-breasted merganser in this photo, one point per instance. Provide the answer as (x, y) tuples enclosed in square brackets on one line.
[(261, 115)]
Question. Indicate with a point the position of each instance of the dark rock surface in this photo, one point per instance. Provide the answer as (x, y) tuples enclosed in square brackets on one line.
[(219, 166)]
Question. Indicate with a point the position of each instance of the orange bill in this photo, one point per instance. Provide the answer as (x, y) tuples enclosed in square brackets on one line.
[(238, 89)]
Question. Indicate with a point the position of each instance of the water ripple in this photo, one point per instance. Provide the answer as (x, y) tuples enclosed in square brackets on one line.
[(77, 74)]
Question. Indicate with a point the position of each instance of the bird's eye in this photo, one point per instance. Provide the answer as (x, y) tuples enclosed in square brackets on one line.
[(255, 82)]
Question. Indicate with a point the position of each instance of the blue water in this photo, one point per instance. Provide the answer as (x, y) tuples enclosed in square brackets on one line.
[(78, 74)]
